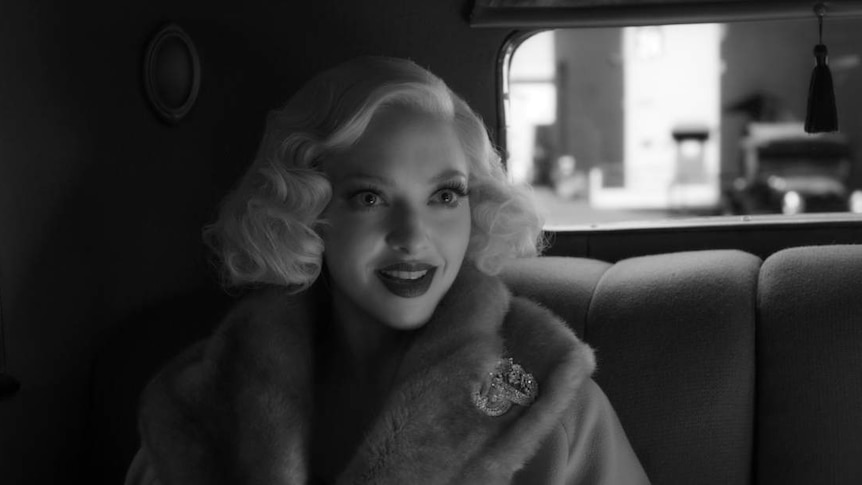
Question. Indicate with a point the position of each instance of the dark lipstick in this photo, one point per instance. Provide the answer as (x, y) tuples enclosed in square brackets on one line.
[(404, 279)]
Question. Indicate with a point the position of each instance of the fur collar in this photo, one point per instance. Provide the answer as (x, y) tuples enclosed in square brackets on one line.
[(235, 408)]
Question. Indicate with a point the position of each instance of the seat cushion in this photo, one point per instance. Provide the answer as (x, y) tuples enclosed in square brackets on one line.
[(809, 365), (564, 285), (674, 340)]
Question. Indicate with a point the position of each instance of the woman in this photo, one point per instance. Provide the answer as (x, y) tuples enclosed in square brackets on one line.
[(377, 346)]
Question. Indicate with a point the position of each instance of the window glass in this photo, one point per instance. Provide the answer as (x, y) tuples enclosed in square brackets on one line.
[(657, 122)]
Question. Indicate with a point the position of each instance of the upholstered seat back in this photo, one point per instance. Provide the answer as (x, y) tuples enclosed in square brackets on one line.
[(809, 366), (723, 369), (674, 340)]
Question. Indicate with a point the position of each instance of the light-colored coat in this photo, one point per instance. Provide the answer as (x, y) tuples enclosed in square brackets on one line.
[(236, 408)]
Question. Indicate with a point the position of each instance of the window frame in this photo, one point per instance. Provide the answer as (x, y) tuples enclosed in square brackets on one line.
[(851, 9)]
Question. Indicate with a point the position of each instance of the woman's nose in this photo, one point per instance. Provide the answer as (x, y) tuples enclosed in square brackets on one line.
[(407, 232)]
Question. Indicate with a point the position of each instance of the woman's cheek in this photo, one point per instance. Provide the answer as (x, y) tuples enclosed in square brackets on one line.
[(463, 221)]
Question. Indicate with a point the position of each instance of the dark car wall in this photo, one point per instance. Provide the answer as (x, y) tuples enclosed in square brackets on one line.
[(101, 205)]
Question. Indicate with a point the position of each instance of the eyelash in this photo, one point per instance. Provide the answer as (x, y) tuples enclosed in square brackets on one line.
[(357, 204), (459, 189)]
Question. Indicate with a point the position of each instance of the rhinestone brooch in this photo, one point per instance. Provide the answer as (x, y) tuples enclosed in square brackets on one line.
[(509, 383)]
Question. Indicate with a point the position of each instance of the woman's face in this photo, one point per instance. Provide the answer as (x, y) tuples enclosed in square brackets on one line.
[(399, 218)]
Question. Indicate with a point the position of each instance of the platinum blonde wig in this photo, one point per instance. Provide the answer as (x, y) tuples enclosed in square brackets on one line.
[(266, 230)]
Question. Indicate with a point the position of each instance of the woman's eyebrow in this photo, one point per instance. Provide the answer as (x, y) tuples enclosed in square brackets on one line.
[(448, 175), (369, 177), (382, 180)]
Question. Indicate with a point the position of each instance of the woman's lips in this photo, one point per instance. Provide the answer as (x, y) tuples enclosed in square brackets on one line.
[(407, 280)]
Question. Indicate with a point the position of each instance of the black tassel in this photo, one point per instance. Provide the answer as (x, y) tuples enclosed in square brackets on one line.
[(822, 114)]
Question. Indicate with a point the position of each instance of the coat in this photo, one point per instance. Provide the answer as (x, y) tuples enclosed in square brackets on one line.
[(235, 408)]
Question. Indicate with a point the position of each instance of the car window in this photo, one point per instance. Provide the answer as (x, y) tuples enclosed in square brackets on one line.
[(673, 121)]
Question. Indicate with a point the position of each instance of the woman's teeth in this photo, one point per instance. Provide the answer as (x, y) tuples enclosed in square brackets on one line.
[(405, 275), (406, 281)]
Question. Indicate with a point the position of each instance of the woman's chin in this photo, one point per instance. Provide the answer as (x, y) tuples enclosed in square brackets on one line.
[(406, 312), (409, 322), (407, 318)]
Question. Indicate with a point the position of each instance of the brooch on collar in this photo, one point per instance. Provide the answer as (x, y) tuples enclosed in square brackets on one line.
[(509, 383)]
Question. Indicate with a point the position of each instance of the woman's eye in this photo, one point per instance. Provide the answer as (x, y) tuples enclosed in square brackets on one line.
[(366, 199), (448, 197), (369, 199)]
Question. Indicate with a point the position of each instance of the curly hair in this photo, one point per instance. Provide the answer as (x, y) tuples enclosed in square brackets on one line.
[(266, 231)]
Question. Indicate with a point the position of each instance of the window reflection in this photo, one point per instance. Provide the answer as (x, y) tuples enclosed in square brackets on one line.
[(653, 122)]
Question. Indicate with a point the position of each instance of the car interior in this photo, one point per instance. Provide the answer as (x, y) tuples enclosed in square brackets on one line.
[(709, 248)]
